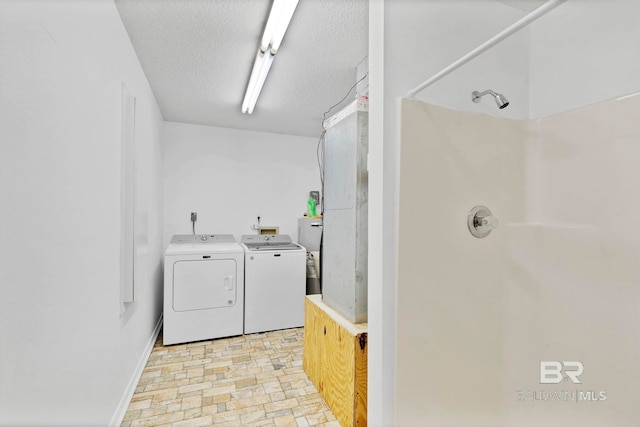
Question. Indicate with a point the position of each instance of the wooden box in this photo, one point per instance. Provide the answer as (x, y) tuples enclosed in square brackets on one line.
[(335, 359)]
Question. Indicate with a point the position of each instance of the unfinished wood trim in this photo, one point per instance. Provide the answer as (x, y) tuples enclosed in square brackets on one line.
[(335, 359)]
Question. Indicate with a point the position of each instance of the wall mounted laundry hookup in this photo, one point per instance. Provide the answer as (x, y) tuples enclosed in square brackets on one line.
[(256, 226), (264, 229), (481, 221), (194, 218)]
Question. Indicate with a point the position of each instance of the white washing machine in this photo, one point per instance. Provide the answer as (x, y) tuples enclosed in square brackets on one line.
[(274, 283), (203, 288)]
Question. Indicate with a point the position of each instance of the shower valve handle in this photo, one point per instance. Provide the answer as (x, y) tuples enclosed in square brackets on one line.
[(481, 222), (491, 222)]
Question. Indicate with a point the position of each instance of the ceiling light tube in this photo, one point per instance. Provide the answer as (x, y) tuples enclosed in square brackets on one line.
[(261, 68), (272, 21), (277, 23)]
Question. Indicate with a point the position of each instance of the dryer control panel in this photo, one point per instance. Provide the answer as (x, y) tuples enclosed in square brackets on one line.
[(202, 238)]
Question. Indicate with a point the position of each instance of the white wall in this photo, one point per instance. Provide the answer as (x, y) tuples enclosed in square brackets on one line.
[(409, 42), (422, 38), (230, 176), (572, 268), (381, 297), (584, 52), (67, 353)]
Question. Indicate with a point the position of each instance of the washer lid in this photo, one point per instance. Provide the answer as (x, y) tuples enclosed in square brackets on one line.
[(273, 247)]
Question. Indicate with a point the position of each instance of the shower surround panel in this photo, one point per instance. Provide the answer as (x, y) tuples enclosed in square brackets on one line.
[(556, 282)]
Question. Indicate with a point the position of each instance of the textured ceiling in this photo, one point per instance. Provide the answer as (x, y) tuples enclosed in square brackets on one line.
[(198, 55)]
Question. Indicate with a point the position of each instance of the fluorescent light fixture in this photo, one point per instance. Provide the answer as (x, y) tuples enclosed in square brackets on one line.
[(259, 73), (279, 19)]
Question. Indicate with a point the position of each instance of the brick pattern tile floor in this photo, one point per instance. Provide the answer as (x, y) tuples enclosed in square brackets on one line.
[(251, 380)]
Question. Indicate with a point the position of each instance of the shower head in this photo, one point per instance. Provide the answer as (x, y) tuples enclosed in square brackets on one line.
[(501, 101)]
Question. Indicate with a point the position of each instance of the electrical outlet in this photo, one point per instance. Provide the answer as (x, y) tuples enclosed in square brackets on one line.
[(194, 216), (315, 195)]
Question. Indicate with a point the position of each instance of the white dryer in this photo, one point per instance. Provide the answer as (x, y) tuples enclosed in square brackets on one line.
[(275, 283), (203, 288)]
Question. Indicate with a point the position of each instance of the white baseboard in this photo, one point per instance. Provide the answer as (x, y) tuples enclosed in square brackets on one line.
[(121, 410)]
